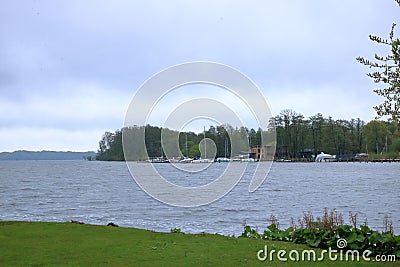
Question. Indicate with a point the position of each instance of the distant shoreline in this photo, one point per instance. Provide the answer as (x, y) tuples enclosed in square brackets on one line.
[(91, 156), (47, 155)]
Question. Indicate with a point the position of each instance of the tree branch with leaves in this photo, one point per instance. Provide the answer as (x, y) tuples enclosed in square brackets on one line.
[(386, 71)]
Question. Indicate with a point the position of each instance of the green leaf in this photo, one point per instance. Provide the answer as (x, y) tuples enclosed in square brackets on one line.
[(360, 238), (365, 229), (313, 242), (351, 238), (272, 227)]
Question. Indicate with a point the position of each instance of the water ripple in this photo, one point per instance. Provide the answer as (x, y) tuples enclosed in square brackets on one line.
[(100, 192)]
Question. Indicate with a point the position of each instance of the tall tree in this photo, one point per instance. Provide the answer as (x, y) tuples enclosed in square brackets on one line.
[(376, 134), (317, 122), (387, 71), (359, 130)]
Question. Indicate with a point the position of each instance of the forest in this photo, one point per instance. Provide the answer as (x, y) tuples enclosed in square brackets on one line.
[(296, 137)]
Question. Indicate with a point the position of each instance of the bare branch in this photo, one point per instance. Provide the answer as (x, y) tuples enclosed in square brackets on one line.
[(392, 31)]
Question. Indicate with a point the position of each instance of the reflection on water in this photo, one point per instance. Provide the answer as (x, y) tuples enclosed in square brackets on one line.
[(101, 192)]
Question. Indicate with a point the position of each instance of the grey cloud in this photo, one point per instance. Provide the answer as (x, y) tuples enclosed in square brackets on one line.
[(52, 49)]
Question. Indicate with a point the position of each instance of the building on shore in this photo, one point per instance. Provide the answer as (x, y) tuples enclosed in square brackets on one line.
[(261, 153)]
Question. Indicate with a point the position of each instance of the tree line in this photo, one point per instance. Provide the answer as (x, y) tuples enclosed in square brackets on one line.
[(296, 137), (111, 144)]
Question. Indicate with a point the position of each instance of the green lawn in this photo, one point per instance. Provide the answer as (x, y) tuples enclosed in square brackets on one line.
[(68, 244)]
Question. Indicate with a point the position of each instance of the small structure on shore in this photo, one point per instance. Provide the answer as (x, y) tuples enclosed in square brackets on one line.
[(261, 153)]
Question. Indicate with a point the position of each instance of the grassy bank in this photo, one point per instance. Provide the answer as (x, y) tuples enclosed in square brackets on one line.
[(68, 244)]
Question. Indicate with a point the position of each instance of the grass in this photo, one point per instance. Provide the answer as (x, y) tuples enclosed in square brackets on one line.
[(68, 244)]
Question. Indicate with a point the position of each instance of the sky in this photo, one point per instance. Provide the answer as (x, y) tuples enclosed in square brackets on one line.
[(69, 69)]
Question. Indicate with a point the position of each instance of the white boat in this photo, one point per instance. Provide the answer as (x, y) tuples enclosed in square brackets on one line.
[(159, 160), (325, 157), (186, 160), (200, 160), (247, 160), (242, 158), (224, 159)]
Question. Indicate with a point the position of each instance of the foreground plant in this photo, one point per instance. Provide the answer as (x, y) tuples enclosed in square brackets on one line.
[(325, 231)]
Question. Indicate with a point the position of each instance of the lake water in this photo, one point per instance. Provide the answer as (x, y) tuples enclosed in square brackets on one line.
[(103, 192)]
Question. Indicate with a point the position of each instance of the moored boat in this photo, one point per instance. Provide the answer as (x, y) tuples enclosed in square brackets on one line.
[(325, 157)]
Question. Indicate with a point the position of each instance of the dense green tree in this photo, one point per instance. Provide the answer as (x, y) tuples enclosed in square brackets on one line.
[(252, 137), (376, 136), (316, 121), (222, 141), (292, 133), (329, 137), (359, 133), (110, 146)]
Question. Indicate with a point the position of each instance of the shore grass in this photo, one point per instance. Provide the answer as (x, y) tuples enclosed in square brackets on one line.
[(68, 244)]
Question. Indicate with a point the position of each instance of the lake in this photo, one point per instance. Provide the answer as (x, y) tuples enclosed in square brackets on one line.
[(102, 192)]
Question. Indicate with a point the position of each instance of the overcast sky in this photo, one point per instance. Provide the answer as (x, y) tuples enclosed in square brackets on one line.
[(68, 69)]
